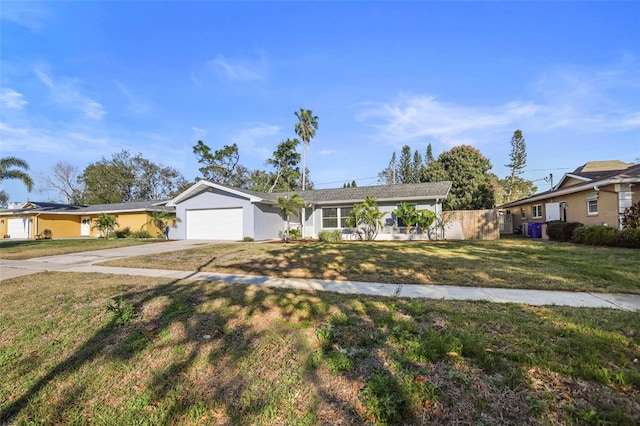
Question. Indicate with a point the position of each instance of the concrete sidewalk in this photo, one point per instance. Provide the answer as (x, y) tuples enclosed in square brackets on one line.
[(84, 262)]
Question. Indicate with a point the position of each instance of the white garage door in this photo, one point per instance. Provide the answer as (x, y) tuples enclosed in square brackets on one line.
[(214, 224), (18, 227)]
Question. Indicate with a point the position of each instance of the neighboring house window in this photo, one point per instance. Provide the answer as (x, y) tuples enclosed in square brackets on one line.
[(332, 216), (592, 207), (523, 214), (536, 211)]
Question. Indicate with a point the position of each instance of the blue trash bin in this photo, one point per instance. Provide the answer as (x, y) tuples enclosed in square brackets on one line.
[(535, 230)]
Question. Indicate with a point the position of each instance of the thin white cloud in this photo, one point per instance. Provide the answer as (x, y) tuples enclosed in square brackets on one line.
[(29, 14), (412, 118), (576, 100), (12, 99), (257, 140), (241, 69), (135, 104), (65, 92)]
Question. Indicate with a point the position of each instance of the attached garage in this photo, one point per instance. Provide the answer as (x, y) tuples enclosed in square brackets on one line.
[(215, 224), (19, 227)]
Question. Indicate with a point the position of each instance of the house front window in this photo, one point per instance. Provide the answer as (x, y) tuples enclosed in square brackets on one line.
[(592, 207), (537, 211), (334, 216)]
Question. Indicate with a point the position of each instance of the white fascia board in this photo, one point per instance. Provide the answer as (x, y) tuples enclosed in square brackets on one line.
[(571, 175), (206, 184)]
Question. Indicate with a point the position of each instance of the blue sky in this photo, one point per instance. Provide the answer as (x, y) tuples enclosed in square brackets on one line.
[(82, 80)]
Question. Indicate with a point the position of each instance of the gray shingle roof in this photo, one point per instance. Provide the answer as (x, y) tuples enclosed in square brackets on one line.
[(632, 173), (411, 191), (96, 208)]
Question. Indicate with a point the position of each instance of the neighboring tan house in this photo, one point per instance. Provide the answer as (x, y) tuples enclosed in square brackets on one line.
[(29, 220), (210, 210), (593, 194)]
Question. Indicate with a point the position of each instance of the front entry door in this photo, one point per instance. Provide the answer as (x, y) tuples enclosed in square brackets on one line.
[(85, 226)]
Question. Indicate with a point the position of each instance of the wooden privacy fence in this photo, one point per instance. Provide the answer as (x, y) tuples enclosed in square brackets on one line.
[(475, 224)]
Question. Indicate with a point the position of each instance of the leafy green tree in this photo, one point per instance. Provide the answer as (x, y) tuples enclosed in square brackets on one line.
[(105, 224), (467, 169), (285, 160), (14, 168), (290, 205), (106, 183), (124, 178), (306, 130), (408, 213), (219, 166), (366, 219)]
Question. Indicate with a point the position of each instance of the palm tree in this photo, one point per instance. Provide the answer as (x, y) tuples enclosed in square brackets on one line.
[(366, 219), (8, 170), (161, 220), (306, 130), (290, 204), (105, 224)]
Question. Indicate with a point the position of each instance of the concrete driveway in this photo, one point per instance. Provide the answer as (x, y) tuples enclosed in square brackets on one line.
[(61, 262)]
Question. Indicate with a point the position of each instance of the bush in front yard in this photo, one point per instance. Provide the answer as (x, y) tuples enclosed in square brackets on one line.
[(334, 236), (122, 233), (558, 230), (629, 238), (607, 236)]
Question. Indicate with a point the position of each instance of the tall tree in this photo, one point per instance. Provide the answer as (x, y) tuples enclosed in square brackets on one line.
[(514, 186), (405, 166), (518, 157), (285, 160), (429, 158), (389, 175), (219, 166), (64, 179), (14, 168), (124, 178), (306, 130), (417, 167), (467, 169)]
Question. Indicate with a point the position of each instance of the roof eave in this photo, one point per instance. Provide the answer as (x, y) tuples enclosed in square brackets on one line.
[(580, 188), (205, 183)]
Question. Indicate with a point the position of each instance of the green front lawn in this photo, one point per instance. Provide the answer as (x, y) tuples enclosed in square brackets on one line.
[(27, 249), (190, 352), (509, 263)]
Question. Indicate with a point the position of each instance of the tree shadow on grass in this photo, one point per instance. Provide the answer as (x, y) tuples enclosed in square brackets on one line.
[(234, 361), (228, 354)]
